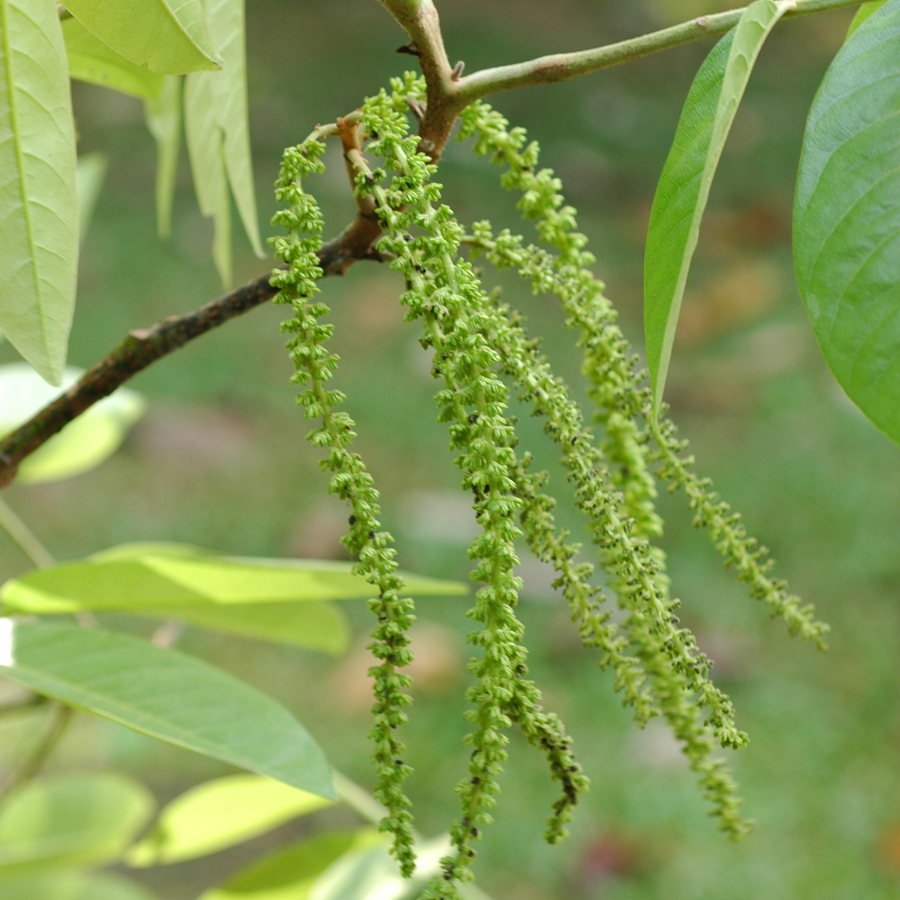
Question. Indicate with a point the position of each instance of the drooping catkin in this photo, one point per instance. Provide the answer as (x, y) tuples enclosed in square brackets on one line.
[(349, 480)]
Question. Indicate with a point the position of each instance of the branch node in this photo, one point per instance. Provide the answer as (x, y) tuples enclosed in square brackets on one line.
[(456, 74), (417, 107), (702, 22)]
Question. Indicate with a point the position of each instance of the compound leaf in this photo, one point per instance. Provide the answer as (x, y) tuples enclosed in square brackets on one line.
[(170, 696), (687, 176), (220, 814), (38, 203), (847, 218), (166, 36), (93, 61), (70, 821)]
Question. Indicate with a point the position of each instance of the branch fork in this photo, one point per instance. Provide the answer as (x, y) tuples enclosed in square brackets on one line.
[(448, 93)]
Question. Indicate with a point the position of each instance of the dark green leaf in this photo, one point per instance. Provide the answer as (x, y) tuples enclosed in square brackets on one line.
[(687, 176), (847, 218), (70, 821), (169, 696), (220, 814), (168, 39), (93, 61), (38, 203)]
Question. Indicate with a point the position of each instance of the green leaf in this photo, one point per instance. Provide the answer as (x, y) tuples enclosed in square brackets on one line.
[(312, 625), (70, 821), (38, 203), (206, 142), (153, 577), (847, 218), (90, 177), (170, 696), (83, 443), (163, 117), (170, 38), (289, 873), (687, 176), (218, 135), (373, 874), (220, 814), (229, 91), (862, 14), (93, 61), (72, 886)]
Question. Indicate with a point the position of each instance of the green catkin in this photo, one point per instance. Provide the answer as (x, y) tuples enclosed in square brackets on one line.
[(478, 342), (618, 386), (349, 480), (445, 295), (669, 655)]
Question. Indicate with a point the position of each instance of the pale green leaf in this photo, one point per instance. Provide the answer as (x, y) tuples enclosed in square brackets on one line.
[(228, 89), (312, 625), (38, 203), (163, 117), (373, 874), (93, 61), (687, 176), (75, 886), (84, 443), (70, 821), (206, 141), (90, 177), (847, 218), (289, 873), (168, 581), (862, 14), (170, 696), (220, 814), (166, 36)]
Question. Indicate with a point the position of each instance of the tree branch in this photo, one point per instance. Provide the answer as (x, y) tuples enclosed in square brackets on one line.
[(563, 66), (420, 20), (447, 95), (135, 353)]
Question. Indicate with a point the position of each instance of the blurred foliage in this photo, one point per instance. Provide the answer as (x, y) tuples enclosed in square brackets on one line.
[(220, 461)]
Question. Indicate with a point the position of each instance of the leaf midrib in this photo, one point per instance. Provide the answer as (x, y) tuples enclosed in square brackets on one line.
[(20, 164)]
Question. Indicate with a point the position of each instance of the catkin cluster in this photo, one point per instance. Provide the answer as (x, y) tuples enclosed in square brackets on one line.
[(481, 352)]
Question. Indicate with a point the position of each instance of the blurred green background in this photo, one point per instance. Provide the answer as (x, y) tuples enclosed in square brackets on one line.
[(220, 461)]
